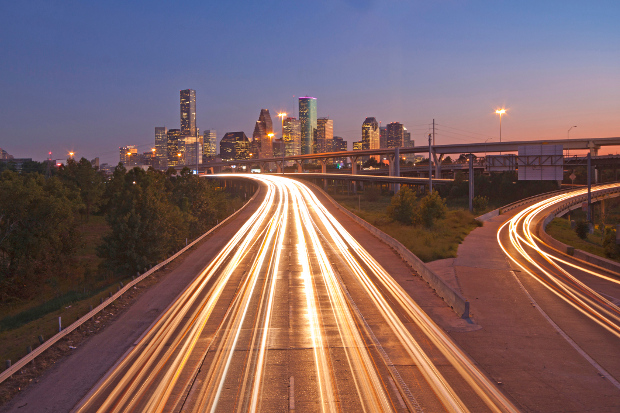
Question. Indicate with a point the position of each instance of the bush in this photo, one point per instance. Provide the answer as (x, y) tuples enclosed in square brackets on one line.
[(582, 228), (402, 208), (480, 203), (609, 244), (431, 208)]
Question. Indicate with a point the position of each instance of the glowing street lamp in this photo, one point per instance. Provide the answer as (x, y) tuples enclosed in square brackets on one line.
[(71, 155), (500, 112)]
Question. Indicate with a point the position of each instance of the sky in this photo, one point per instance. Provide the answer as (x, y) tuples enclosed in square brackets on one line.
[(91, 76)]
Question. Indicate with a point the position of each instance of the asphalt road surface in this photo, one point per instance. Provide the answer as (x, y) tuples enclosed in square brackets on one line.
[(294, 315)]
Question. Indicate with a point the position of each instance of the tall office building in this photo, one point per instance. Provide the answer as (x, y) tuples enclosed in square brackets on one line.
[(292, 136), (188, 112), (339, 144), (383, 137), (357, 145), (234, 146), (176, 147), (161, 147), (324, 135), (262, 130), (408, 143), (307, 119), (370, 134), (395, 134), (129, 155), (210, 143), (193, 150)]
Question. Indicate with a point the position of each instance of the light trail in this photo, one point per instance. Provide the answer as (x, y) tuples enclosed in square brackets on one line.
[(181, 362), (545, 267)]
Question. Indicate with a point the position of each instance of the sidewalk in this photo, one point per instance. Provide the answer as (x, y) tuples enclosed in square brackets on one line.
[(516, 345)]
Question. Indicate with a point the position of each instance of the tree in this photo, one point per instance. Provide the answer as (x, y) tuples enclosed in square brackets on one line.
[(431, 208), (146, 226), (582, 228), (38, 236), (402, 208), (86, 179)]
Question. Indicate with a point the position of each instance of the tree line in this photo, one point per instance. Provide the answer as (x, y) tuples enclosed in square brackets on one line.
[(150, 215)]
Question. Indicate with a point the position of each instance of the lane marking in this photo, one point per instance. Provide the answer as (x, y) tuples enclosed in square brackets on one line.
[(398, 396), (570, 341), (291, 394)]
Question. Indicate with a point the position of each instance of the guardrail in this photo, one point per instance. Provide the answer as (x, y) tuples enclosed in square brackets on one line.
[(569, 250), (53, 340), (455, 300)]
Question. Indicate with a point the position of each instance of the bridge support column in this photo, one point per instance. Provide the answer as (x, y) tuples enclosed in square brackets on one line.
[(300, 168), (354, 172), (324, 166), (279, 167), (395, 167), (593, 148), (437, 164)]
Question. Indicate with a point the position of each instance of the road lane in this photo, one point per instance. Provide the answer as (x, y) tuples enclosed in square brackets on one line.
[(581, 300), (314, 335)]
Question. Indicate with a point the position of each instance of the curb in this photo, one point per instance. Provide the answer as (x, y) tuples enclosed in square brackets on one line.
[(455, 300)]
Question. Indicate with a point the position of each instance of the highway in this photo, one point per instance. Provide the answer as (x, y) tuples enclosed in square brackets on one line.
[(580, 299), (294, 315)]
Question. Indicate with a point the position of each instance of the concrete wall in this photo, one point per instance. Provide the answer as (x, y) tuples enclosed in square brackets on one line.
[(455, 300)]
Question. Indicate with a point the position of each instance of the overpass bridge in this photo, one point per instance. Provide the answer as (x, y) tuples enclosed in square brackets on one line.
[(435, 152)]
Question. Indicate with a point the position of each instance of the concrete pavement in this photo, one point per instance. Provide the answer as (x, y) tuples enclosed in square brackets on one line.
[(516, 345)]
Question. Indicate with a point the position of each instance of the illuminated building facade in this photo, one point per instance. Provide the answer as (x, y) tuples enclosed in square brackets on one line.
[(176, 147), (161, 147), (370, 134), (395, 135), (188, 112), (234, 146), (292, 136), (308, 123), (129, 155), (383, 137), (324, 135), (210, 143), (262, 142)]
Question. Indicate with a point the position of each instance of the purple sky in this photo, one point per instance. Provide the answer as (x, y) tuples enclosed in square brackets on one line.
[(92, 76)]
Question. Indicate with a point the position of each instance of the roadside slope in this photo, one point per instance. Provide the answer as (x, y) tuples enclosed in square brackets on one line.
[(63, 386)]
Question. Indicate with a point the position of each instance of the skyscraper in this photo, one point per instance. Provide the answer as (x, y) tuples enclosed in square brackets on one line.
[(234, 146), (176, 147), (193, 150), (307, 119), (210, 142), (370, 134), (262, 130), (395, 134), (161, 147), (382, 137), (292, 136), (129, 155), (324, 135), (188, 112)]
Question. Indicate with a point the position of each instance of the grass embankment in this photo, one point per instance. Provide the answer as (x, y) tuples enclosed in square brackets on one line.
[(66, 295), (560, 229), (429, 244)]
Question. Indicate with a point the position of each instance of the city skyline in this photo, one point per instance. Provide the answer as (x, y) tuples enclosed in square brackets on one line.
[(74, 82)]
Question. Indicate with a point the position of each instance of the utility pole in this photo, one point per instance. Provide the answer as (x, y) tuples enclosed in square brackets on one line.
[(430, 165), (471, 183), (589, 211), (433, 132)]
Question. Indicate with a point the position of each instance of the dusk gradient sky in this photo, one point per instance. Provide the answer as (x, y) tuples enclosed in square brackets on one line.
[(90, 76)]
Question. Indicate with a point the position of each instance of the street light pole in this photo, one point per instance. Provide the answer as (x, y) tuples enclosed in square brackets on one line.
[(282, 115), (430, 166), (500, 112), (568, 138)]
